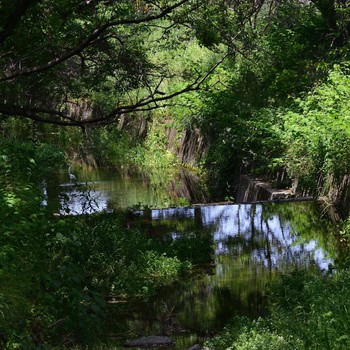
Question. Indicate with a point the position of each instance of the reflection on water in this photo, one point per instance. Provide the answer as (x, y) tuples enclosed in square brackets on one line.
[(108, 189), (270, 240), (252, 245)]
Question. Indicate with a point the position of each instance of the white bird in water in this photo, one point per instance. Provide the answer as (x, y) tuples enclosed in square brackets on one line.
[(72, 177)]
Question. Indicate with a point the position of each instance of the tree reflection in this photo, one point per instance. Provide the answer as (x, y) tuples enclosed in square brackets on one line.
[(253, 244)]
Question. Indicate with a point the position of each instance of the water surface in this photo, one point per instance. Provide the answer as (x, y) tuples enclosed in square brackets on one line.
[(252, 245), (107, 189), (238, 250)]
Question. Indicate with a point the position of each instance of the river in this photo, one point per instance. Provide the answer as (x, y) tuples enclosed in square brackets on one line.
[(107, 189), (247, 247)]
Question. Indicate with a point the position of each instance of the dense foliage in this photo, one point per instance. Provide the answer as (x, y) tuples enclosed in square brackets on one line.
[(316, 131), (58, 273), (261, 86), (307, 312), (86, 62), (283, 67)]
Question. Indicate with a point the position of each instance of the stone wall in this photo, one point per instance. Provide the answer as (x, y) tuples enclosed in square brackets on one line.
[(252, 190)]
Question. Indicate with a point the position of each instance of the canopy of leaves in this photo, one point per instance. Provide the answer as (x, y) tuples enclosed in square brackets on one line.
[(75, 62), (279, 51)]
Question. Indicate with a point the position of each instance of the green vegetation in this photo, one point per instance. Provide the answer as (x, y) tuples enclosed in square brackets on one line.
[(58, 273), (283, 104), (308, 311), (230, 87), (316, 132)]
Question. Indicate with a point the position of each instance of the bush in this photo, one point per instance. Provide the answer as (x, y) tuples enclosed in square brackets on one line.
[(57, 273), (313, 308), (307, 311), (317, 133), (264, 340)]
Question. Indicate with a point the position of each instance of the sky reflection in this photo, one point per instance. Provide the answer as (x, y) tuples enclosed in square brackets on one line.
[(269, 240)]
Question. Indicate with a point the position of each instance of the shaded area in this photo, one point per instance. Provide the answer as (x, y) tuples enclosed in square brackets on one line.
[(250, 246), (107, 189)]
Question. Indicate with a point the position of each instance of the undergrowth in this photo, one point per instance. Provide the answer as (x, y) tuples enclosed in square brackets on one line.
[(307, 311), (58, 273)]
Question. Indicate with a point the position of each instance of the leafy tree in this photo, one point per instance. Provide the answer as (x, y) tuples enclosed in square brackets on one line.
[(75, 62), (317, 135), (279, 50)]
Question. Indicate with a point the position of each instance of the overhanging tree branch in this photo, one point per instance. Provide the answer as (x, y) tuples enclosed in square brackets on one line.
[(146, 103), (95, 34)]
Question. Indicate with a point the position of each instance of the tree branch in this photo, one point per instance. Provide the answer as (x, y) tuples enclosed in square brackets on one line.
[(89, 40), (146, 103)]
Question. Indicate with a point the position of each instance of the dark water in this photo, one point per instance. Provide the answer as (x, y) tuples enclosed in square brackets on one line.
[(109, 189), (240, 250), (253, 244)]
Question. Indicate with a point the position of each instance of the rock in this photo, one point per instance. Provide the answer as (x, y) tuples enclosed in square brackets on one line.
[(150, 342), (195, 347)]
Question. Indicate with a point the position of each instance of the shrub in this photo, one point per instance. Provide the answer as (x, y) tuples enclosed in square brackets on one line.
[(57, 273), (265, 340), (307, 311), (317, 133)]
